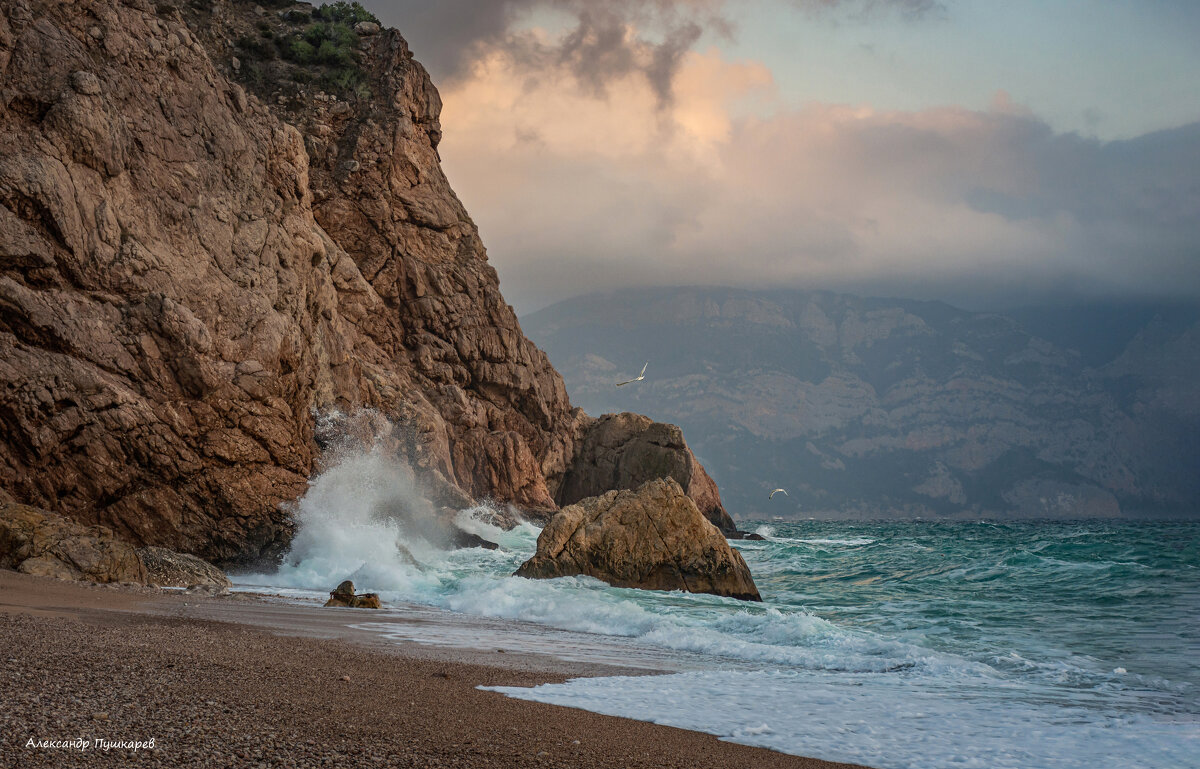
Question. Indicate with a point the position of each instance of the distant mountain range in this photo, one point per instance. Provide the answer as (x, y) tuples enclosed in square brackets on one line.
[(867, 408)]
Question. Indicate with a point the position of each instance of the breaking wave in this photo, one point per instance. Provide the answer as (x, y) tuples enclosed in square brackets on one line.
[(984, 630)]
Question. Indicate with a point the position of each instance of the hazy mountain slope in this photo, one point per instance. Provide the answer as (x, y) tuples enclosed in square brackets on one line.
[(892, 407)]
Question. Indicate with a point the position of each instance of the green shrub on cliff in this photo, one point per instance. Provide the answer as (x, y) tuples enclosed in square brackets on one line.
[(299, 50), (255, 48), (344, 13), (336, 44), (348, 80), (329, 51), (278, 52)]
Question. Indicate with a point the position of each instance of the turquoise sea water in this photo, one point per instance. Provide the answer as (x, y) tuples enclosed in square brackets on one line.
[(1063, 602), (911, 645), (919, 644)]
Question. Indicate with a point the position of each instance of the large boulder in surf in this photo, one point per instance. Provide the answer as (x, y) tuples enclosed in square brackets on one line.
[(623, 451), (41, 543), (653, 538)]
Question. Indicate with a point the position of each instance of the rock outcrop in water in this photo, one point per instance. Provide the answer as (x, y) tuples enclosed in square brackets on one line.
[(652, 538), (623, 451), (343, 596), (202, 246)]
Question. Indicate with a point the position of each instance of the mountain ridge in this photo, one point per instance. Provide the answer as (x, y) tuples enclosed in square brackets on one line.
[(891, 407)]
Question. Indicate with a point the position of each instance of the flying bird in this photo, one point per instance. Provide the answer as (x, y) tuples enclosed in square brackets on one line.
[(638, 378), (776, 491)]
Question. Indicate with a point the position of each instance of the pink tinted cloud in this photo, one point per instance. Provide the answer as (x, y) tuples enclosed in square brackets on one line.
[(576, 190)]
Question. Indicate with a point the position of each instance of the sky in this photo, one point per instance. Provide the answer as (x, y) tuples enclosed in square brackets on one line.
[(989, 154)]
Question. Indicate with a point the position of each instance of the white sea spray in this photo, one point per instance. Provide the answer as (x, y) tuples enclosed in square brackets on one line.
[(936, 645)]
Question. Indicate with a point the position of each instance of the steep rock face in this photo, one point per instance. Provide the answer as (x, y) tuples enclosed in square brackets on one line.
[(623, 451), (37, 542), (488, 411), (164, 331), (187, 275), (652, 538)]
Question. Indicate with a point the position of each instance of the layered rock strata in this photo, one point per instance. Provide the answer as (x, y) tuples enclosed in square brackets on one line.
[(652, 538)]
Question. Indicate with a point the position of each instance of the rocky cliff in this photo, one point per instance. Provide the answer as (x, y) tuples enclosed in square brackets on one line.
[(217, 221)]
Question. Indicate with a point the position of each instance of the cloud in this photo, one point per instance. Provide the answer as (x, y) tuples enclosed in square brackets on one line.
[(863, 9), (601, 41), (597, 147), (725, 185)]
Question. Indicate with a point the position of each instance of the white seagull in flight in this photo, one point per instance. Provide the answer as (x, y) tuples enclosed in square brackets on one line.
[(776, 491), (638, 378)]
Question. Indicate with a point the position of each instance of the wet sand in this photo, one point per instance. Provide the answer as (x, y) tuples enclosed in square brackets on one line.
[(237, 681)]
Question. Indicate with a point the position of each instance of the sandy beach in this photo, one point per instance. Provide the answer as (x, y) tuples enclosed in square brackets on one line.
[(91, 674)]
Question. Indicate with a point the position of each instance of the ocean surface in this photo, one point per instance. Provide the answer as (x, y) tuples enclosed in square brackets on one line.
[(913, 645)]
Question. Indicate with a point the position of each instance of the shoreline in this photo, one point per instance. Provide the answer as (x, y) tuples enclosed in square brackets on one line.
[(240, 680)]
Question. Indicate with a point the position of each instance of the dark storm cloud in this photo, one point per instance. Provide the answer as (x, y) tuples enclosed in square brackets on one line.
[(608, 40), (599, 50), (1147, 183)]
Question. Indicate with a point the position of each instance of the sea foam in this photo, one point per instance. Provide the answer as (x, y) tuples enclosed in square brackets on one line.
[(893, 645), (884, 722)]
